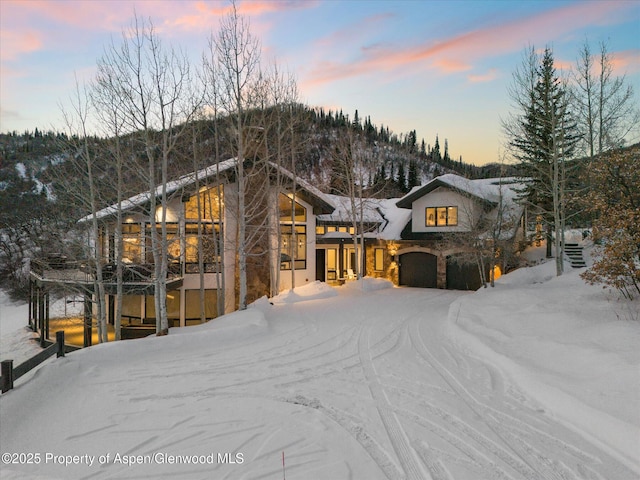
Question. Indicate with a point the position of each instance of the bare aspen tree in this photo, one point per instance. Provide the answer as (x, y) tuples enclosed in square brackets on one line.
[(110, 116), (605, 107), (350, 175), (84, 164), (238, 56), (153, 85), (212, 88)]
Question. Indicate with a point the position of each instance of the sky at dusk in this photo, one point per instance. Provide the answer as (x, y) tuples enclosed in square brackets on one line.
[(439, 67)]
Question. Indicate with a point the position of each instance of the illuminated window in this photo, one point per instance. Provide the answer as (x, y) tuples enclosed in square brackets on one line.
[(293, 234), (173, 242), (210, 247), (319, 229), (332, 264), (293, 247), (131, 243), (441, 216), (378, 259), (207, 202), (192, 308), (285, 205)]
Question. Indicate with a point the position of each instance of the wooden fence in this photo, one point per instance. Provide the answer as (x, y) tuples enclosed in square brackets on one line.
[(10, 374)]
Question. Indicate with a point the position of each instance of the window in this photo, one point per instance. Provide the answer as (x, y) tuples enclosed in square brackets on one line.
[(131, 243), (209, 204), (286, 209), (441, 216), (192, 308), (131, 309), (173, 308), (173, 242), (211, 247), (293, 234), (349, 260), (288, 249), (319, 229), (378, 259), (332, 264)]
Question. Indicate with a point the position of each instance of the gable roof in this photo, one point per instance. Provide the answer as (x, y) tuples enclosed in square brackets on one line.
[(311, 194), (486, 190)]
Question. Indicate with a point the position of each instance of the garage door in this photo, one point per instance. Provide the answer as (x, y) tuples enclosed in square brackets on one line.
[(462, 274), (418, 269)]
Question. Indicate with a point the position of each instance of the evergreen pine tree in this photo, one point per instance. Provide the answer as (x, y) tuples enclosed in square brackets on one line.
[(412, 178), (545, 138), (435, 153), (401, 181)]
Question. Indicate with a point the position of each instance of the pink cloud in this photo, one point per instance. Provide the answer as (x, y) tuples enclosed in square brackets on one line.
[(449, 65), (627, 61), (492, 74), (474, 45), (16, 43), (203, 15), (354, 31)]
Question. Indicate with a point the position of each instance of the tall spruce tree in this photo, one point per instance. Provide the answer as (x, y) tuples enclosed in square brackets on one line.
[(543, 136), (412, 177)]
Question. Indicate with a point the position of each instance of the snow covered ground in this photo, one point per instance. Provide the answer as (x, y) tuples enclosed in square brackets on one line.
[(537, 378)]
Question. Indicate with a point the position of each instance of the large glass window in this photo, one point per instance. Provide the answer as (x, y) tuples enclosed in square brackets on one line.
[(192, 305), (293, 234), (210, 251), (441, 216), (131, 309), (286, 207), (173, 242), (131, 243), (209, 203), (173, 308), (293, 248)]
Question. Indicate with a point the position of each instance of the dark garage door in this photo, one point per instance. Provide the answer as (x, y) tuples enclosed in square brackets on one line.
[(461, 274), (418, 269)]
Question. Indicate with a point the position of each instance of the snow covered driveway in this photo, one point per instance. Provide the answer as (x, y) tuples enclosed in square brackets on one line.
[(362, 385)]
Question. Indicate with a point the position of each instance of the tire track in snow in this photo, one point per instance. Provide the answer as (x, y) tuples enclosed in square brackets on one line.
[(529, 461), (413, 468), (373, 449)]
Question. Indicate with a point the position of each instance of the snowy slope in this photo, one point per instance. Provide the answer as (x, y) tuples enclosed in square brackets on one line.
[(359, 382)]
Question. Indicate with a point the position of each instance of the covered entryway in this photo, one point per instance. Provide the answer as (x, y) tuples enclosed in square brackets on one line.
[(462, 274), (418, 269)]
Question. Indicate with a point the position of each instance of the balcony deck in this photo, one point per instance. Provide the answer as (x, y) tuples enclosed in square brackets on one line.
[(80, 275)]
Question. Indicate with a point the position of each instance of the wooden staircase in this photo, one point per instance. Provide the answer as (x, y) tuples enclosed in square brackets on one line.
[(573, 251)]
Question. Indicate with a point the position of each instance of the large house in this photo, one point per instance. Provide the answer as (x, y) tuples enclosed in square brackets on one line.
[(295, 235), (429, 238)]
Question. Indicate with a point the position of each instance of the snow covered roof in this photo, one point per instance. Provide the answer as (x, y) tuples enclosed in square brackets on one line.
[(486, 190), (375, 210), (343, 212), (315, 196)]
